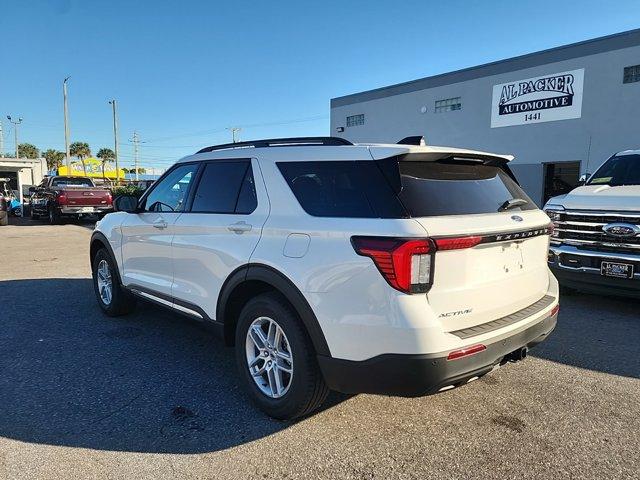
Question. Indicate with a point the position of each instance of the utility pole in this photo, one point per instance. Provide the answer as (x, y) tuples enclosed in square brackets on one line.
[(66, 125), (15, 131), (136, 141), (15, 138), (235, 130), (1, 141), (115, 139)]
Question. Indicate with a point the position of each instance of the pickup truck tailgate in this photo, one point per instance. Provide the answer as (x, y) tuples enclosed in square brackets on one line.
[(84, 197)]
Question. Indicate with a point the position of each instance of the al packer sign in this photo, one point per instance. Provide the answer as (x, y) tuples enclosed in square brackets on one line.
[(541, 99)]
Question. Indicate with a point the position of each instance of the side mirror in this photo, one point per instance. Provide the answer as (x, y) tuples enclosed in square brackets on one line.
[(126, 203), (583, 179)]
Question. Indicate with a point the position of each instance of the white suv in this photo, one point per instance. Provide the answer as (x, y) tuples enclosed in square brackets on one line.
[(390, 269)]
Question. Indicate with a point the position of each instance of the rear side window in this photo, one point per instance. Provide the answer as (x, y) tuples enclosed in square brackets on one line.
[(226, 187), (457, 187), (356, 189)]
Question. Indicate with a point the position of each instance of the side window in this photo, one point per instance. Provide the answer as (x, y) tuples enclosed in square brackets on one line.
[(170, 194), (226, 187), (348, 189), (247, 199)]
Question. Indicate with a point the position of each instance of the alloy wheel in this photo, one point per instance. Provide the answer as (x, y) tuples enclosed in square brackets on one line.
[(105, 283), (269, 357)]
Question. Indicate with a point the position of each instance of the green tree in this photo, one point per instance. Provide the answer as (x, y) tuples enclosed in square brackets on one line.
[(54, 158), (106, 155), (26, 150), (80, 150)]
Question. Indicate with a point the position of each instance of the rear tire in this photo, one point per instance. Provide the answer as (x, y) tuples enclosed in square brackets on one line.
[(304, 389), (113, 299)]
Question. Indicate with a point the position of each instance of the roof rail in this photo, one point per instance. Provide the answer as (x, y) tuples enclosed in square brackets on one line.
[(280, 142)]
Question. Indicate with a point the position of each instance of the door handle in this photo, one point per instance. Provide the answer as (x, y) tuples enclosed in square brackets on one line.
[(160, 224), (239, 227)]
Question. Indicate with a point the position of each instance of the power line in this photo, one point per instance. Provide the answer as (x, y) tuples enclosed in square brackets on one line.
[(251, 125)]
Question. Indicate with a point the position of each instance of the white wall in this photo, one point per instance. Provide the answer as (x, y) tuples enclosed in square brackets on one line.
[(609, 121)]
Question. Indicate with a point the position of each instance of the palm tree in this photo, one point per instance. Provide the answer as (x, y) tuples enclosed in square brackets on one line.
[(82, 151), (54, 158), (106, 155), (26, 150)]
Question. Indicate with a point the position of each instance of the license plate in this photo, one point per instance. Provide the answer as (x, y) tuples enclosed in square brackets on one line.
[(86, 210), (614, 269)]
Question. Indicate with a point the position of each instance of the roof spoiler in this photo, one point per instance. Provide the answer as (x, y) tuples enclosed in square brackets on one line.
[(417, 140)]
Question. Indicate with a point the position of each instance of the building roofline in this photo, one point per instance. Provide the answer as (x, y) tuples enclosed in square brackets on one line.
[(593, 46)]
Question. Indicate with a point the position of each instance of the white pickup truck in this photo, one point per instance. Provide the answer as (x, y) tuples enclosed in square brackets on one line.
[(596, 243)]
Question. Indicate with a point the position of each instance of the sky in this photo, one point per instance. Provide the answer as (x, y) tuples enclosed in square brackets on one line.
[(183, 72)]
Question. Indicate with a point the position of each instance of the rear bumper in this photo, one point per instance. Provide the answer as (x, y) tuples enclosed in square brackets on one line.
[(417, 375), (87, 210), (579, 269)]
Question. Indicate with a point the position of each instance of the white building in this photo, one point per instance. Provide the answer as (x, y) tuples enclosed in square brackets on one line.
[(561, 112), (23, 173)]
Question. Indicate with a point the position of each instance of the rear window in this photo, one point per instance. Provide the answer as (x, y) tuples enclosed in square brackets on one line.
[(355, 189), (72, 182), (457, 188), (399, 189)]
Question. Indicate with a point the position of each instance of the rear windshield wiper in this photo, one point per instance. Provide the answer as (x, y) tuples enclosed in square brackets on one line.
[(512, 203)]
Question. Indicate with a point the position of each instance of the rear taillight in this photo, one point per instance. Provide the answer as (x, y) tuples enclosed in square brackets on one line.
[(404, 263), (457, 243), (407, 263), (61, 198), (555, 310), (109, 198)]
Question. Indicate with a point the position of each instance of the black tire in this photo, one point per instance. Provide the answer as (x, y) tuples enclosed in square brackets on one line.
[(122, 302), (53, 215), (34, 215), (307, 390)]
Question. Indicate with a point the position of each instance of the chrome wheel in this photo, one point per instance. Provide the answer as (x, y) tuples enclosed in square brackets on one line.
[(105, 283), (269, 357)]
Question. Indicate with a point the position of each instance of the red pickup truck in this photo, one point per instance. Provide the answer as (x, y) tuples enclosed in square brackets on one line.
[(58, 197)]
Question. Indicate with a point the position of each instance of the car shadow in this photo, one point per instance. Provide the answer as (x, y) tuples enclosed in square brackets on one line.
[(88, 222), (597, 333), (147, 382)]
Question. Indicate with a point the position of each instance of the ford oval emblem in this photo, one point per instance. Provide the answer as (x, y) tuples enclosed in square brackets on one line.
[(623, 230), (516, 218)]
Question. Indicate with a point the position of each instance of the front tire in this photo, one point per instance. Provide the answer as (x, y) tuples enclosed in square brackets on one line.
[(276, 359), (113, 299)]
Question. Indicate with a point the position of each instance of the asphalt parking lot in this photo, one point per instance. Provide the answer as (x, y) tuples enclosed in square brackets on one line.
[(153, 395)]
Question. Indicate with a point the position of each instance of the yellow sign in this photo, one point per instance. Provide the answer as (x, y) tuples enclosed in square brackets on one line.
[(93, 168)]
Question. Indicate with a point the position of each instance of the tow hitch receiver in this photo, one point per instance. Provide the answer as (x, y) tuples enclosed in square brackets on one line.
[(516, 355)]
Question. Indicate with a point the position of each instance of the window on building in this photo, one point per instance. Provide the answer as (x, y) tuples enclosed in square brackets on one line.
[(354, 120), (448, 104), (631, 74)]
